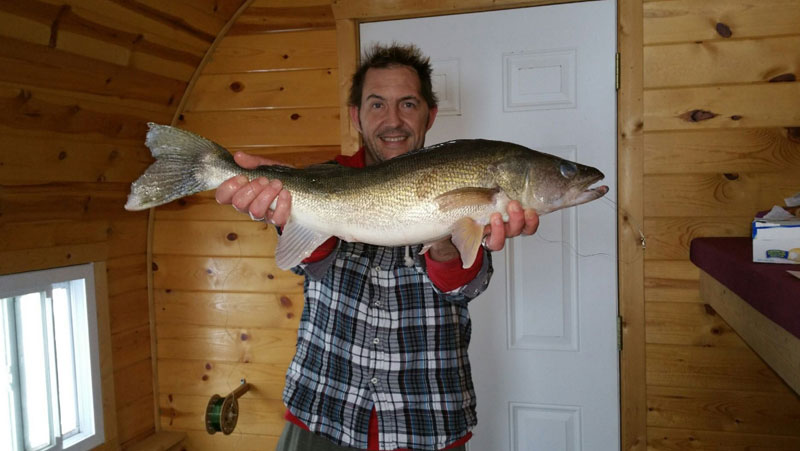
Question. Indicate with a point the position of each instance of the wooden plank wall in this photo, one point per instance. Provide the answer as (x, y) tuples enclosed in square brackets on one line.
[(224, 311), (721, 142), (79, 81)]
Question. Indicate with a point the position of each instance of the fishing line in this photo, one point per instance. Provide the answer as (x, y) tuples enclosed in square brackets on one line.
[(615, 207)]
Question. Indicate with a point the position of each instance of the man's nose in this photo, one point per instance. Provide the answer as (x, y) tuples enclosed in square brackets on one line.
[(393, 116)]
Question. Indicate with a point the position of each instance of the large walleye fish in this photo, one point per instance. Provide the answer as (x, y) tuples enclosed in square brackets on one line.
[(448, 189)]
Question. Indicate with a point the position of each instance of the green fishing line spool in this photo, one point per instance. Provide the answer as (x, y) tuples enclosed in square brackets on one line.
[(223, 413)]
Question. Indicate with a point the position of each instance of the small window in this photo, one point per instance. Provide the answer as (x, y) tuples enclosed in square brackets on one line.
[(51, 367)]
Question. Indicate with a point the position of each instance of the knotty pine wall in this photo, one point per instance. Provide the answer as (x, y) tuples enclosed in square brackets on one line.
[(224, 311), (79, 79), (721, 142)]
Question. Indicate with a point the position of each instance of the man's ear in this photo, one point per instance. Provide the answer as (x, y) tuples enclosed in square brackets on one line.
[(432, 116), (354, 119)]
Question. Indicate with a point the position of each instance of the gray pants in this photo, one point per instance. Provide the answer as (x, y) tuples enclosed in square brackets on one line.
[(295, 438)]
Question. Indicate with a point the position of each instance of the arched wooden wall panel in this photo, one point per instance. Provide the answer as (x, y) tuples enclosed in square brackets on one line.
[(224, 311), (79, 81)]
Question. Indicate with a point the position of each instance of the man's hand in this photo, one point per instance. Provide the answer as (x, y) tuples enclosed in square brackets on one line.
[(255, 196), (495, 233), (519, 223)]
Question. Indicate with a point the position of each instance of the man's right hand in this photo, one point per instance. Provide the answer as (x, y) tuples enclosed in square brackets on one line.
[(255, 196)]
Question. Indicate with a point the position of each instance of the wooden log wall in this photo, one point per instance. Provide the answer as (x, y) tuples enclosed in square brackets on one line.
[(79, 81), (224, 311), (721, 142)]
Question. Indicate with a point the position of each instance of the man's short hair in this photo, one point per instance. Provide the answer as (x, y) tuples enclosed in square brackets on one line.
[(382, 57)]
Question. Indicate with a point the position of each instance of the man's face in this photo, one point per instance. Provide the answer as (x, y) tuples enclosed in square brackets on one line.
[(393, 117)]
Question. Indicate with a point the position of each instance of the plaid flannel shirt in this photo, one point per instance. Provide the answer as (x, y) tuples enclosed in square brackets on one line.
[(376, 332)]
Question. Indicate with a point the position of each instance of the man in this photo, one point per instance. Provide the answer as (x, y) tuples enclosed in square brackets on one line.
[(381, 359)]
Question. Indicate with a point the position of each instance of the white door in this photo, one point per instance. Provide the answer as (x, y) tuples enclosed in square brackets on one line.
[(544, 348)]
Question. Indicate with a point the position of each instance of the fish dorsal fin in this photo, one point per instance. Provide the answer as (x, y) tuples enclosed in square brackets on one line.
[(295, 244), (467, 236), (465, 197)]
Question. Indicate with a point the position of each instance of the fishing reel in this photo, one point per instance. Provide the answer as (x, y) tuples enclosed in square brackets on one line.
[(222, 414)]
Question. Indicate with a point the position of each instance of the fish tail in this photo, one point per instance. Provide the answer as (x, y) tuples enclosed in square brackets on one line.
[(185, 164)]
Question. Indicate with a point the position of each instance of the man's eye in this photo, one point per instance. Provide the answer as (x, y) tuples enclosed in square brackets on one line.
[(410, 105), (376, 106)]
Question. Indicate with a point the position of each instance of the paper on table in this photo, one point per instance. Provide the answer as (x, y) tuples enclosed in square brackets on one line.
[(778, 214), (794, 273), (793, 201)]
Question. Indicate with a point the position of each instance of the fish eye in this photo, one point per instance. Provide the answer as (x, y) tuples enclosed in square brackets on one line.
[(568, 169)]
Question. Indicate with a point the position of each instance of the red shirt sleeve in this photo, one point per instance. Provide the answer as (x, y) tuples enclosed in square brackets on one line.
[(449, 275), (323, 250)]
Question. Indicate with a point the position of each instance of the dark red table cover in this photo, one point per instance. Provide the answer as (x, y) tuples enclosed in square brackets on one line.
[(766, 286)]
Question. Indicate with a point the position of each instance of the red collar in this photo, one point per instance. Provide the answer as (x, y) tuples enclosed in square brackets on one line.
[(357, 160)]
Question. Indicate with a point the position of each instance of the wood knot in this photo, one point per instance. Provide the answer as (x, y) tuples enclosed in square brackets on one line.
[(793, 133), (62, 155), (782, 78), (155, 266), (295, 116), (208, 366), (236, 86), (731, 176), (736, 117), (723, 30), (270, 276), (244, 337), (286, 302), (285, 56), (697, 115), (709, 310), (205, 377), (232, 236)]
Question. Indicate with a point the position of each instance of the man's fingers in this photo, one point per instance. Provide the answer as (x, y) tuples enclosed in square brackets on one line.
[(259, 207), (281, 214), (228, 188), (531, 222), (497, 235), (244, 196), (259, 202), (516, 220), (249, 161)]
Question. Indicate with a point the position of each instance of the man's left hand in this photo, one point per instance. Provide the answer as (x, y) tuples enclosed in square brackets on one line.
[(520, 222)]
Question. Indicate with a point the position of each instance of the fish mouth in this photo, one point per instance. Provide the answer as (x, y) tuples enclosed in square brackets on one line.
[(591, 194)]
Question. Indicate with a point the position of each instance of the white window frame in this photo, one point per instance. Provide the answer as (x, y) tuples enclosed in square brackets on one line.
[(85, 351)]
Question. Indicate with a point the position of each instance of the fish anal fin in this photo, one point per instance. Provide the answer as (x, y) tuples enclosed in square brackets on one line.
[(465, 197), (295, 244), (467, 236)]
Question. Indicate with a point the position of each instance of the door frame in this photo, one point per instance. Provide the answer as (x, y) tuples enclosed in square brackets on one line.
[(349, 14)]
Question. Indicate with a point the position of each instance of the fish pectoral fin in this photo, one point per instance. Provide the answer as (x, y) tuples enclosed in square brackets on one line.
[(465, 197), (295, 244), (467, 236)]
